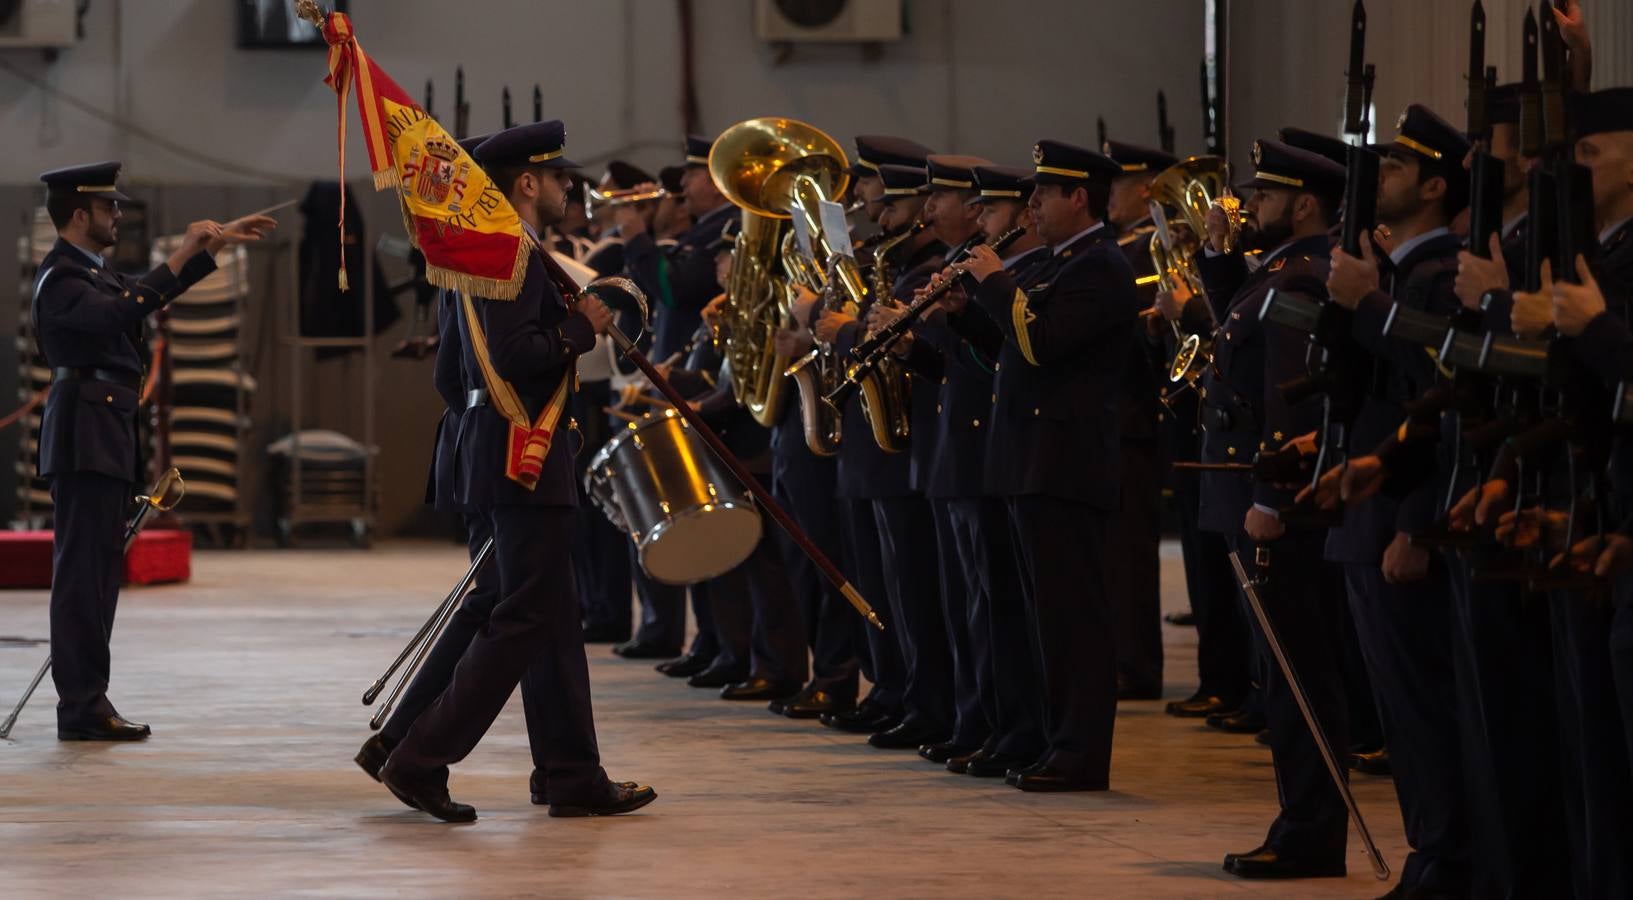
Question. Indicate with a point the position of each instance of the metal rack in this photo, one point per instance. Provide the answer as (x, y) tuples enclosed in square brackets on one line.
[(310, 492)]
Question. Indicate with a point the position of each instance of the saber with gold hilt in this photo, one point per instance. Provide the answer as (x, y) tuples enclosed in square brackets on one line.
[(163, 496)]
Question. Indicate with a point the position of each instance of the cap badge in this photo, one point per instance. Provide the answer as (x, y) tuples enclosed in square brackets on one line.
[(1037, 154)]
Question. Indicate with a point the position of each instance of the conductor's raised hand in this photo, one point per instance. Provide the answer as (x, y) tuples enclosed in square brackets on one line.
[(241, 231)]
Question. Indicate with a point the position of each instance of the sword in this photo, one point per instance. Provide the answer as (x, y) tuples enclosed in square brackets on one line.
[(163, 496), (1250, 589)]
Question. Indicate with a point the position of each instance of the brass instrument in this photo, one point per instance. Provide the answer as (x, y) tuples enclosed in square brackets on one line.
[(597, 202), (1191, 187), (813, 373), (755, 164)]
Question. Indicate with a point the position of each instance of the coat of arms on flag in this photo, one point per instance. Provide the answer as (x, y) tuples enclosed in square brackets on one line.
[(472, 239)]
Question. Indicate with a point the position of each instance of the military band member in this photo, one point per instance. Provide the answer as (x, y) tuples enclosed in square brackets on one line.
[(1295, 200), (88, 322), (522, 351), (947, 454), (1054, 446), (1133, 588), (1399, 594)]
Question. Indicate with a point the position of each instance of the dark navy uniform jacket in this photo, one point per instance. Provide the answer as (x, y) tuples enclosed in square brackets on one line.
[(1421, 281), (1606, 346), (449, 380), (1243, 409), (679, 282), (90, 317), (965, 401), (532, 342), (1066, 343)]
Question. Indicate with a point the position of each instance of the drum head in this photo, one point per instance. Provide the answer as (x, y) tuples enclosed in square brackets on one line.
[(700, 544)]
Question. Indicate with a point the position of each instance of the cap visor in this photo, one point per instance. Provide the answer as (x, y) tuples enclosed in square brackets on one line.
[(562, 162)]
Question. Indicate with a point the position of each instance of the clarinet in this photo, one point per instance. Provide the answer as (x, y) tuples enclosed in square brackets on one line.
[(876, 349)]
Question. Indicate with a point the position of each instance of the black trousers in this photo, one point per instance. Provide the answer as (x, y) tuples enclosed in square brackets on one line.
[(1405, 633), (1305, 604), (964, 610), (1621, 655), (601, 557), (472, 614), (1061, 546), (830, 622), (865, 566), (907, 543), (1224, 644), (1510, 748), (755, 621), (87, 564), (1013, 697), (663, 609), (533, 629), (1597, 785), (1132, 586)]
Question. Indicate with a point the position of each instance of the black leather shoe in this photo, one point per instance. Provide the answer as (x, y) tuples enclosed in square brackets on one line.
[(642, 650), (904, 736), (1198, 706), (1262, 738), (1370, 762), (759, 689), (1053, 781), (539, 796), (428, 795), (684, 666), (716, 677), (1129, 690), (112, 728), (815, 704), (867, 718), (1011, 776), (605, 634), (1237, 722), (1267, 863), (623, 797), (992, 765), (943, 751), (372, 757)]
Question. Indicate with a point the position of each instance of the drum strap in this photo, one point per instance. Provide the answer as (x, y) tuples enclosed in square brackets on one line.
[(530, 438)]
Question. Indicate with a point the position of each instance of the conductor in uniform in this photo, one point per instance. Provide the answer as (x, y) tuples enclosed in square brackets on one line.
[(88, 321)]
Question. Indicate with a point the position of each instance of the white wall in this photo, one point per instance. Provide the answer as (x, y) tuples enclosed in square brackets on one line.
[(972, 77)]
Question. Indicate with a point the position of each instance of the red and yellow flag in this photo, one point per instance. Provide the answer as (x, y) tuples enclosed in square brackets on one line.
[(472, 239)]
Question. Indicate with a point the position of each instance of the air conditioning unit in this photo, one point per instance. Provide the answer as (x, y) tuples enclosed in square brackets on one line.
[(828, 21), (37, 24)]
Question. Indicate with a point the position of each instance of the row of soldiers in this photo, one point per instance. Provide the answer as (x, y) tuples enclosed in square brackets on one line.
[(1014, 541)]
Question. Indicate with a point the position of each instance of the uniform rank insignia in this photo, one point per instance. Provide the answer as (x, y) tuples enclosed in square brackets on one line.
[(1277, 265)]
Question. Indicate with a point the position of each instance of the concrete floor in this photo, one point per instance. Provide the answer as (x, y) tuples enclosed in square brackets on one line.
[(250, 676)]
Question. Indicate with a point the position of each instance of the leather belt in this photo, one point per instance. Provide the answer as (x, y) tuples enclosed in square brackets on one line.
[(476, 397), (86, 373)]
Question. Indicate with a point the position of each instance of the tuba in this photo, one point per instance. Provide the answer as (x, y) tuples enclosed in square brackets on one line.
[(1191, 187), (755, 164)]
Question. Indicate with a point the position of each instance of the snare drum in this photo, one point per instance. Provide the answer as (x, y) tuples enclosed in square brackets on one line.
[(689, 518)]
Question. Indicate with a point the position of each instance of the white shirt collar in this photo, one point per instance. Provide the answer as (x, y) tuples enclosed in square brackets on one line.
[(1078, 237), (1401, 252), (95, 258), (1604, 236)]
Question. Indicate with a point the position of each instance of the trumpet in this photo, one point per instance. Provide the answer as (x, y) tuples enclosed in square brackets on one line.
[(596, 202)]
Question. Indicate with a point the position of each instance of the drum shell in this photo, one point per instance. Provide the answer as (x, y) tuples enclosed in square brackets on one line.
[(689, 518)]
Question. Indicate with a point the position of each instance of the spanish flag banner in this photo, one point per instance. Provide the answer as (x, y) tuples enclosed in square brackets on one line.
[(472, 239)]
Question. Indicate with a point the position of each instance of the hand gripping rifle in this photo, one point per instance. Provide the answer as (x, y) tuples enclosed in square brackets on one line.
[(163, 496)]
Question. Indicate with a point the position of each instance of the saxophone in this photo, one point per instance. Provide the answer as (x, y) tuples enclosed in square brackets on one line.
[(816, 373), (885, 392)]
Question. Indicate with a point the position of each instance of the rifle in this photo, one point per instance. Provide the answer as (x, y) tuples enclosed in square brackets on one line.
[(538, 104), (504, 99), (1100, 130), (462, 110)]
